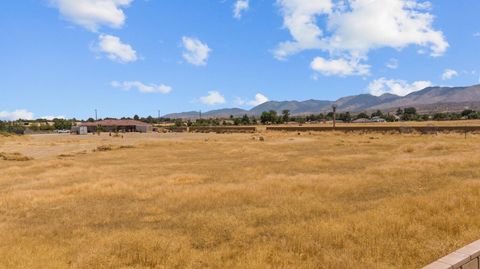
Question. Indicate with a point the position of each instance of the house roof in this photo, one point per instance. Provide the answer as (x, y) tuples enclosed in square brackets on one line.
[(115, 123)]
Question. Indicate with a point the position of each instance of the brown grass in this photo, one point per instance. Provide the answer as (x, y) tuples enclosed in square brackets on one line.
[(329, 200)]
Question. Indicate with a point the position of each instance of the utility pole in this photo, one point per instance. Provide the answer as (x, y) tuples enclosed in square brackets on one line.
[(200, 114), (158, 116), (96, 118), (334, 108)]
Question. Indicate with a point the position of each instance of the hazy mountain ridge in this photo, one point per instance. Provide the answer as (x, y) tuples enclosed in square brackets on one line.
[(431, 99)]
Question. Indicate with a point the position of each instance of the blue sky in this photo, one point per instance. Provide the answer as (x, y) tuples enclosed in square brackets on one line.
[(125, 57)]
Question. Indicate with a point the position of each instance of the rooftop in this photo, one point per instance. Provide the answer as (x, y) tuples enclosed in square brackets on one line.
[(115, 123)]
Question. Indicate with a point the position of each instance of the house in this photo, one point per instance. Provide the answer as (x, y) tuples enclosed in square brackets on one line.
[(117, 126)]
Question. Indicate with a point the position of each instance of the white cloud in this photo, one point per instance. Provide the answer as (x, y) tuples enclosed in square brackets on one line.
[(239, 7), (259, 99), (300, 19), (16, 115), (398, 87), (143, 88), (352, 28), (339, 67), (196, 52), (213, 98), (91, 14), (392, 64), (52, 117), (357, 26), (116, 50), (477, 34), (449, 74)]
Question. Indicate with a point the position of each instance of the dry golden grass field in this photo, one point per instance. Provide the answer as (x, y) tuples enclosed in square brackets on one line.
[(315, 200)]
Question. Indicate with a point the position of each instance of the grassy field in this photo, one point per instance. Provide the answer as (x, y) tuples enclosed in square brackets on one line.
[(329, 200)]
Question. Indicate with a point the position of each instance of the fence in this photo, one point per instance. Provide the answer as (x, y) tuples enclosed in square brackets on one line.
[(464, 258), (223, 129), (383, 129)]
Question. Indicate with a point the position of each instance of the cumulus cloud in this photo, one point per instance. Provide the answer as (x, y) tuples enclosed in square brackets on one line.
[(398, 87), (16, 115), (115, 49), (91, 14), (339, 67), (357, 26), (259, 99), (449, 74), (239, 7), (196, 52), (300, 18), (141, 87), (352, 28), (213, 98)]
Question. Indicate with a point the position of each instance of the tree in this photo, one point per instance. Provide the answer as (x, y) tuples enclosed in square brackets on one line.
[(378, 113), (286, 115), (245, 120), (136, 117), (439, 116), (150, 120), (362, 116), (409, 113), (62, 124), (468, 113), (265, 117), (346, 117), (399, 112), (425, 117), (254, 120), (269, 117), (390, 118), (329, 116), (178, 122)]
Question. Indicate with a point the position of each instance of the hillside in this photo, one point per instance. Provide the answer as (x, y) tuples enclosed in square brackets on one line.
[(432, 99)]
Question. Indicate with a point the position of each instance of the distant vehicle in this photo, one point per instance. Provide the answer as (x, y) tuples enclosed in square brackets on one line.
[(62, 131)]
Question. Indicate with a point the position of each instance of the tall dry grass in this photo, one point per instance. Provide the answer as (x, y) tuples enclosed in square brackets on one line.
[(309, 201)]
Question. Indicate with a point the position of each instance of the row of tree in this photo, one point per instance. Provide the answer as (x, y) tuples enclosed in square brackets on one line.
[(11, 127), (272, 117), (267, 117)]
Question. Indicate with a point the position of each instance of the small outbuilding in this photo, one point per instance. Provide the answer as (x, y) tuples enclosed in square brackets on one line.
[(79, 130), (117, 126)]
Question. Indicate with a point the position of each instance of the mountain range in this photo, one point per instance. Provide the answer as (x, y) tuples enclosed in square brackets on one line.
[(428, 100)]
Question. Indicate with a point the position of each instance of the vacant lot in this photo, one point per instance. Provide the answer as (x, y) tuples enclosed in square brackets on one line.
[(325, 200)]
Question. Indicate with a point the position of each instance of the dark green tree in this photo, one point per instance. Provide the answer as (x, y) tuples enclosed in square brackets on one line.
[(62, 124), (269, 117), (286, 115), (377, 113), (245, 120), (362, 116)]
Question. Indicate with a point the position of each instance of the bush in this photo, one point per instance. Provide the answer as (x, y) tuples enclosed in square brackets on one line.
[(17, 157)]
